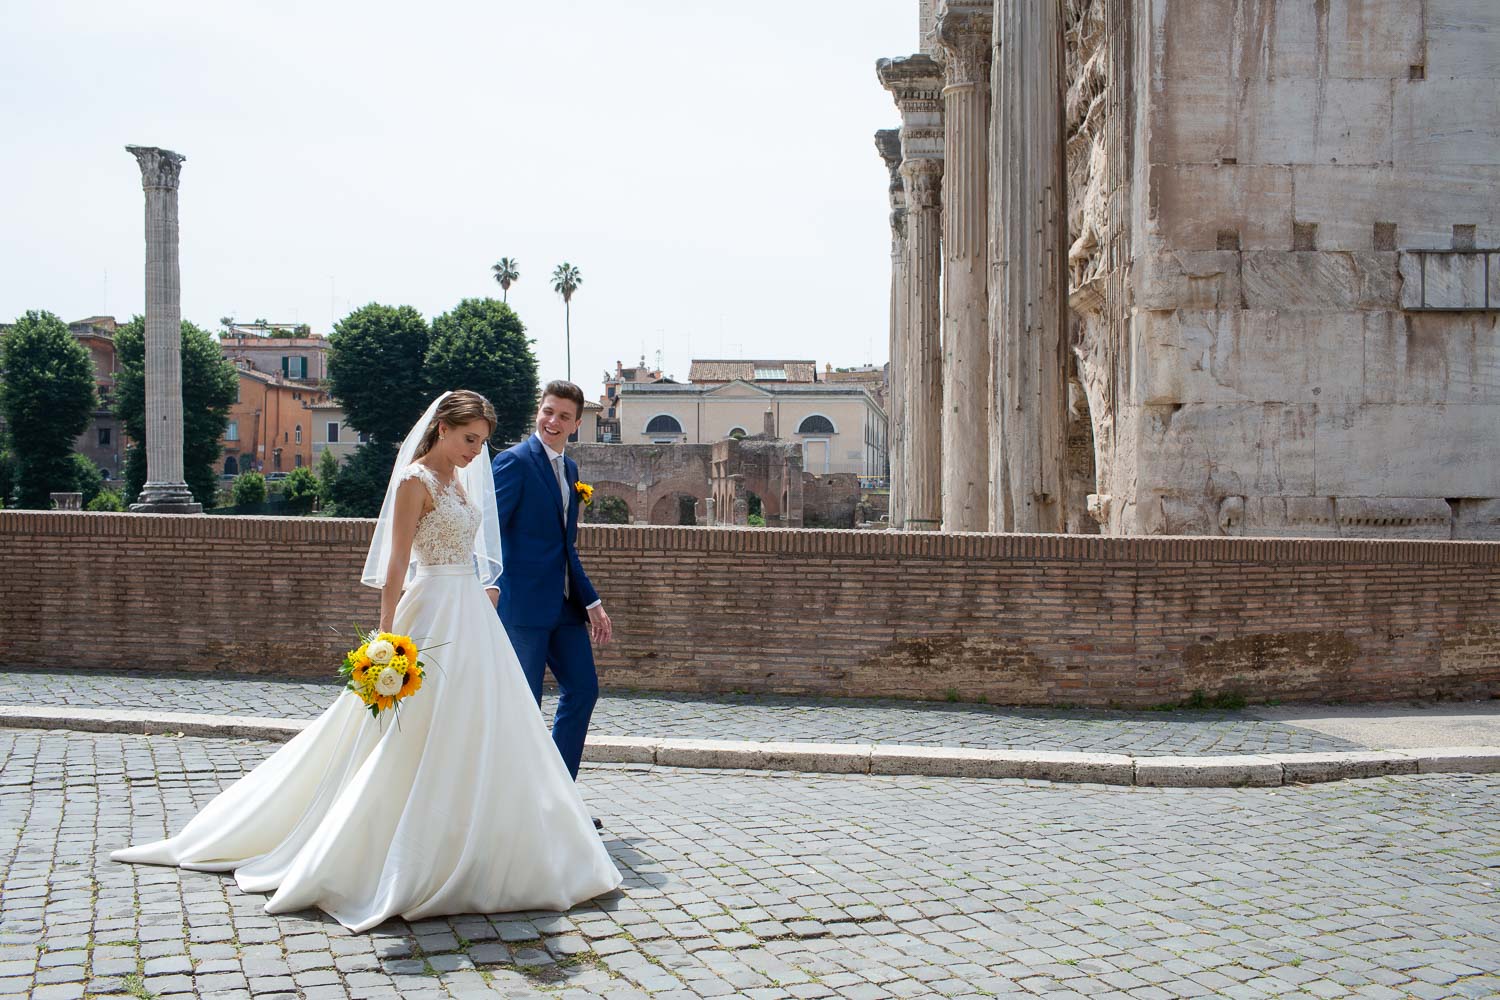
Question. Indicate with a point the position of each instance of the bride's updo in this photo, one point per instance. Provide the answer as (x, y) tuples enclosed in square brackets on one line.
[(462, 406)]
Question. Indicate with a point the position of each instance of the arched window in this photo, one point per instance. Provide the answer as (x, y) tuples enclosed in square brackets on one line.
[(664, 424), (816, 424), (738, 433)]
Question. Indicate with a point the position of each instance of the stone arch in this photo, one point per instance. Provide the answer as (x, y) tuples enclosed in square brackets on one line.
[(609, 488), (663, 423), (816, 423), (668, 508)]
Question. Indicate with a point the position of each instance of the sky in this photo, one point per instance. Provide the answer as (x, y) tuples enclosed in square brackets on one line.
[(709, 167)]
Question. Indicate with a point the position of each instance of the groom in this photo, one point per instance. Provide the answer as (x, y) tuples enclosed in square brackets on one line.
[(548, 607)]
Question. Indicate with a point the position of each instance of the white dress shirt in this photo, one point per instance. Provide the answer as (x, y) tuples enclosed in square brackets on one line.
[(552, 457)]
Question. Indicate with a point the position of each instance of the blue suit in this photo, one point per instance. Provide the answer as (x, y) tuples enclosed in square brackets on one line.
[(537, 543)]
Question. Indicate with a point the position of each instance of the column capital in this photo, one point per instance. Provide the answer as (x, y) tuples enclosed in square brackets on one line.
[(924, 182), (160, 168), (916, 85), (965, 33), (888, 145)]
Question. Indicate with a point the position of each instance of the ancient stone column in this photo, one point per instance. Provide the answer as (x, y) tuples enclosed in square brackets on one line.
[(1029, 248), (166, 491), (888, 142), (916, 83), (964, 30)]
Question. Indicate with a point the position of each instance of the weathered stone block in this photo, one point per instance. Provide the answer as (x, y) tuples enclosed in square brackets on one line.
[(1319, 281), (968, 762), (619, 750), (1461, 38), (1290, 517), (1257, 356), (1443, 280), (1445, 121), (1231, 770), (1193, 202), (1461, 760), (1311, 120), (1396, 517), (1308, 767), (1424, 204), (1244, 449), (1431, 358), (1188, 279), (1477, 519), (1408, 450)]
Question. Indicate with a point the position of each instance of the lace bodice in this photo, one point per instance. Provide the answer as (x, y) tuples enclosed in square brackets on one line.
[(445, 534)]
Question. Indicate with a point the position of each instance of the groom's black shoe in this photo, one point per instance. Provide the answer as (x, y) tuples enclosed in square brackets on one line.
[(597, 824)]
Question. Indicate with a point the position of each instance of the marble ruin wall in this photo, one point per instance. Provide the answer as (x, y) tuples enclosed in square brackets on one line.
[(1312, 148), (1259, 348)]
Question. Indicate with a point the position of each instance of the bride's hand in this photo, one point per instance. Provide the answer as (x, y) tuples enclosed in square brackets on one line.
[(493, 593)]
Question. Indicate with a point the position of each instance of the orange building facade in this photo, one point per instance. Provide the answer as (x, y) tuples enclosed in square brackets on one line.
[(270, 425)]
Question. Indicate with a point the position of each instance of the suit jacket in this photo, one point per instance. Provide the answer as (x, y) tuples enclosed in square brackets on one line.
[(537, 537)]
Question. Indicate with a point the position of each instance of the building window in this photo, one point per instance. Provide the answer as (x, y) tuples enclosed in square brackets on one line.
[(294, 366), (103, 437), (770, 374), (738, 433), (816, 424), (364, 438), (664, 424), (236, 390), (333, 432), (232, 431), (299, 434), (299, 460)]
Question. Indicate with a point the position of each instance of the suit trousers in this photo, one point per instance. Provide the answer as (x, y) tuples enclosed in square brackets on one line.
[(565, 647)]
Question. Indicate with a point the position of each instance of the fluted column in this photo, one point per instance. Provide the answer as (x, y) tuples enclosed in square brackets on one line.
[(964, 31), (1029, 247), (916, 84), (888, 142), (166, 490)]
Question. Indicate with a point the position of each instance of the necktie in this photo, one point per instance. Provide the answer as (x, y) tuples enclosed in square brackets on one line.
[(562, 484)]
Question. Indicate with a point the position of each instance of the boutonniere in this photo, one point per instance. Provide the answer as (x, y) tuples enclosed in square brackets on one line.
[(585, 492)]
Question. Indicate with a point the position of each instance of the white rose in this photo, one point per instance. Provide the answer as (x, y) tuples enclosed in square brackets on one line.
[(381, 651), (389, 683)]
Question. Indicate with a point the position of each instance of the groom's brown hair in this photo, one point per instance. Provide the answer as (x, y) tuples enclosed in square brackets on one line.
[(565, 390)]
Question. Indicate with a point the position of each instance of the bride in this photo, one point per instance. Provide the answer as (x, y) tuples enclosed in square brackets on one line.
[(465, 806)]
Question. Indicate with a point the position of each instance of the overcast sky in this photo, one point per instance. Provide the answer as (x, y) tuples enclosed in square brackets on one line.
[(709, 166)]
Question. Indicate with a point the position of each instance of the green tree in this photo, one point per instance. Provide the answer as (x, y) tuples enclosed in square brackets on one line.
[(359, 489), (481, 345), (47, 399), (209, 382), (565, 281), (7, 475), (375, 357), (507, 272), (300, 487), (249, 488), (328, 474), (607, 509), (88, 478), (108, 501)]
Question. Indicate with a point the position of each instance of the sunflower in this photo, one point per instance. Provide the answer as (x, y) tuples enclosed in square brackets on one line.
[(413, 683)]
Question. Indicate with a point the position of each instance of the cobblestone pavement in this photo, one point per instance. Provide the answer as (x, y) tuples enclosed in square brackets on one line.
[(737, 717), (776, 886)]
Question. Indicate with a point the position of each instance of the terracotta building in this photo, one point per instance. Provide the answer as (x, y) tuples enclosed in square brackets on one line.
[(271, 423)]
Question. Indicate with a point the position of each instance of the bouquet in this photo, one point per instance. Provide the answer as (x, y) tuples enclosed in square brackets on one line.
[(383, 671)]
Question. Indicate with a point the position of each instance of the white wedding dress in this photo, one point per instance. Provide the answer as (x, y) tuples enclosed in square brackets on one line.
[(464, 807)]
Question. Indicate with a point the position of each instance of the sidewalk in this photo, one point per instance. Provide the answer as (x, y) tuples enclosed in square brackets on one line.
[(1251, 746)]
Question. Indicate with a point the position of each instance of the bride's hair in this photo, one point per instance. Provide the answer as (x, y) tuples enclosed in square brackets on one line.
[(461, 407)]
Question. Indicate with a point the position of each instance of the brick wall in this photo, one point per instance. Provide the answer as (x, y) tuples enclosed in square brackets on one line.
[(1011, 618)]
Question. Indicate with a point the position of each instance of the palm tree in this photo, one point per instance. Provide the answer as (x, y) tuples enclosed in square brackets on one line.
[(506, 271), (565, 281)]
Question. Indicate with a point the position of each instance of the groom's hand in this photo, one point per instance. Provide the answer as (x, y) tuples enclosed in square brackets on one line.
[(599, 625)]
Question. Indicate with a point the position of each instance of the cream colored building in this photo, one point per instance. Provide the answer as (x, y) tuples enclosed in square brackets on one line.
[(840, 427)]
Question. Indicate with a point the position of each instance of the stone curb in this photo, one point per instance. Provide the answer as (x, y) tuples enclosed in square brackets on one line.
[(1225, 771)]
